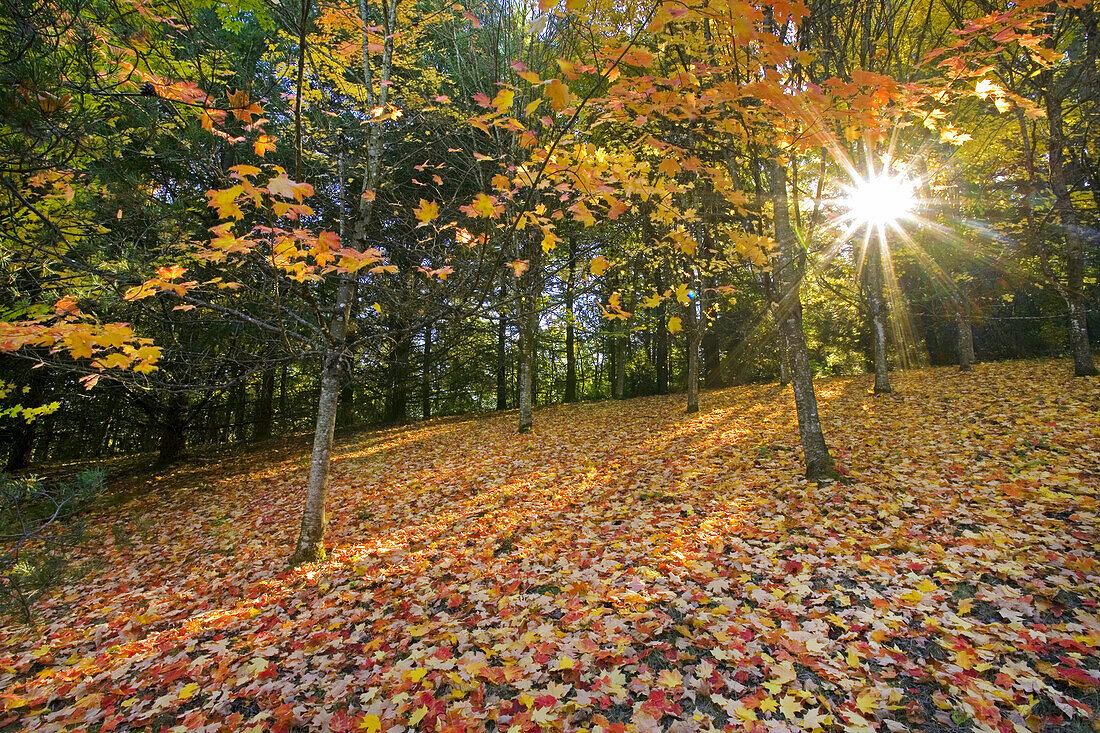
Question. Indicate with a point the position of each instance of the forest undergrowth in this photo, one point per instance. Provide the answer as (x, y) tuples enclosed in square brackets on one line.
[(624, 567)]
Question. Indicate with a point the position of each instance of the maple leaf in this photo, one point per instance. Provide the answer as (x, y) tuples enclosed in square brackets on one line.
[(426, 212), (503, 100), (790, 707), (484, 206), (282, 186), (675, 324), (670, 678), (242, 107), (263, 144), (558, 93), (598, 265), (519, 267), (226, 202)]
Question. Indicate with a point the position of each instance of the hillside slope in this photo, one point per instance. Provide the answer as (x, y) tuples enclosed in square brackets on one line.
[(623, 564)]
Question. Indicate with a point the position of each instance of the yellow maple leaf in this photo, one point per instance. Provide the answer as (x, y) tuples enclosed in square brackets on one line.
[(783, 673), (225, 201), (558, 93), (867, 701), (670, 166), (503, 100), (418, 715), (114, 360), (263, 144), (599, 265), (484, 206), (426, 212), (282, 186), (565, 663), (370, 723), (188, 690), (670, 678), (790, 707), (79, 344), (675, 325)]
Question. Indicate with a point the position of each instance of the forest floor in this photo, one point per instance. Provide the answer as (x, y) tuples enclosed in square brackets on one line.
[(624, 567)]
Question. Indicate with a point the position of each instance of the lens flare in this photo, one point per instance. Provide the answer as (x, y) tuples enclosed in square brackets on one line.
[(880, 201)]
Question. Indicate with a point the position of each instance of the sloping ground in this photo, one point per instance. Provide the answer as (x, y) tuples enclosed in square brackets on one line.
[(623, 564)]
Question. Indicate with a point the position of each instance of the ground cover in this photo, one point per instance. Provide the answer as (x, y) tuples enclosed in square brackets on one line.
[(624, 567)]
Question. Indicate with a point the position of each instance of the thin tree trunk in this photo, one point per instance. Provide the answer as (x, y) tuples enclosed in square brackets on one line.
[(528, 324), (784, 354), (20, 455), (535, 364), (874, 276), (789, 306), (397, 398), (265, 406), (240, 412), (345, 414), (173, 435), (311, 538), (693, 339), (662, 337), (1083, 364), (502, 354), (528, 335), (310, 546), (426, 378), (23, 441), (570, 349), (966, 339), (618, 348)]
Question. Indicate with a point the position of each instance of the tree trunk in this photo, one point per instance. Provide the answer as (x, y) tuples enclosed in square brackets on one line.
[(240, 412), (528, 325), (966, 339), (265, 403), (618, 348), (426, 380), (20, 455), (311, 538), (502, 354), (570, 348), (535, 363), (693, 337), (528, 336), (789, 310), (873, 281), (712, 360), (397, 399), (22, 441), (818, 461), (173, 435), (784, 357), (345, 414), (1083, 364), (662, 337)]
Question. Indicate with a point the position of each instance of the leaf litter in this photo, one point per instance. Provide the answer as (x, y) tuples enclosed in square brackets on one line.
[(624, 567)]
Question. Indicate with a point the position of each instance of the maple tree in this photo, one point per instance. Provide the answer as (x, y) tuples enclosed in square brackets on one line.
[(625, 564), (697, 152), (206, 205)]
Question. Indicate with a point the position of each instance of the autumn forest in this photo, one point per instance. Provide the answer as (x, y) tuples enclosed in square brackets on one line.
[(573, 365)]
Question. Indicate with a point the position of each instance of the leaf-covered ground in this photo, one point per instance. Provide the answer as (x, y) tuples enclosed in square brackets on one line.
[(626, 567)]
